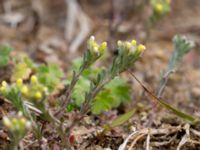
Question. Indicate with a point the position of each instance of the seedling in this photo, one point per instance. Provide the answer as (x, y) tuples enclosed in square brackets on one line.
[(181, 47)]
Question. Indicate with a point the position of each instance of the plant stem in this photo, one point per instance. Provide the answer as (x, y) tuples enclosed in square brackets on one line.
[(163, 82), (67, 96)]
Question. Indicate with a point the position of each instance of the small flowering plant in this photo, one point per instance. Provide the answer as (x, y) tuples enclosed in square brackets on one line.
[(17, 127), (128, 54)]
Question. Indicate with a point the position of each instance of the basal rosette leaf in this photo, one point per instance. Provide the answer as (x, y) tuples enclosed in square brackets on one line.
[(50, 75)]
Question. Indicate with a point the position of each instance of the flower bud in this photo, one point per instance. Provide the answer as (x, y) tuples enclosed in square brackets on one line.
[(141, 48), (45, 90), (133, 42), (23, 121), (128, 45), (132, 50), (34, 79), (91, 43), (38, 95), (14, 121), (4, 84), (159, 8), (19, 83), (119, 43), (7, 122), (103, 47), (25, 90)]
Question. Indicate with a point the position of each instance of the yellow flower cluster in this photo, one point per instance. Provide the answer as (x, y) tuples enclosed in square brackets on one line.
[(96, 48), (18, 123), (131, 47), (33, 91)]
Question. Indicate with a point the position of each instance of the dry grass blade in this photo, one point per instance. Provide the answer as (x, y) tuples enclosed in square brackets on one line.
[(197, 133), (123, 145), (148, 141), (136, 139), (185, 138)]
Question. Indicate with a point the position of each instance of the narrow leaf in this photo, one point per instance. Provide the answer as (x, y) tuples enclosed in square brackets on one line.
[(178, 113), (122, 119)]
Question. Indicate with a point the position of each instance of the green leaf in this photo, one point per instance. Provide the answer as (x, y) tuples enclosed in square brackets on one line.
[(4, 55), (188, 118), (103, 102), (23, 67), (80, 89), (115, 92), (122, 119), (178, 113), (50, 75), (21, 70), (120, 90)]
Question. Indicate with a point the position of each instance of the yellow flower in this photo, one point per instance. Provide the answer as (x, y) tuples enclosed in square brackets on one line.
[(19, 83), (133, 42), (45, 90), (141, 48), (95, 49), (103, 47), (25, 90), (159, 8), (4, 84), (38, 95), (23, 121), (34, 79), (14, 121), (7, 122), (128, 45), (119, 43)]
